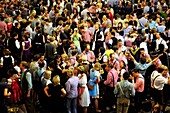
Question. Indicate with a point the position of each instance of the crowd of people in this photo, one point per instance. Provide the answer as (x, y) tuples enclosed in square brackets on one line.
[(60, 56)]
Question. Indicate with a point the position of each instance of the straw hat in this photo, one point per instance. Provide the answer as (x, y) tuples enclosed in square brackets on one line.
[(84, 58)]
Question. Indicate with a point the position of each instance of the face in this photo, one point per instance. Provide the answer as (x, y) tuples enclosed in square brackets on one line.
[(67, 63), (21, 66), (42, 58), (134, 74), (96, 27), (121, 64), (119, 44), (113, 57), (88, 47)]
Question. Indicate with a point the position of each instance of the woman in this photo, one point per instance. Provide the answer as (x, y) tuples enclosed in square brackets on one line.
[(120, 29), (84, 97), (26, 45), (94, 80), (72, 91), (122, 70), (7, 62), (56, 92), (76, 37)]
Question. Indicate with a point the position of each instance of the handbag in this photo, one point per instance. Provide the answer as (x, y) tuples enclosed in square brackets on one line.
[(91, 87)]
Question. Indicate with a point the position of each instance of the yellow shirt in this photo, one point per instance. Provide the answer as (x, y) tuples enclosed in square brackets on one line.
[(108, 52)]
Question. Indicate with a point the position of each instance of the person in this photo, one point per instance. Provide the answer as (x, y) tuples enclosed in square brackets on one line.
[(72, 91), (124, 90), (7, 62), (84, 97), (55, 91), (139, 88), (42, 97), (3, 94), (26, 87), (157, 84), (94, 80), (50, 50), (110, 83)]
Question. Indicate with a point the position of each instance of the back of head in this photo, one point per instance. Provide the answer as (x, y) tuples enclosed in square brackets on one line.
[(126, 76)]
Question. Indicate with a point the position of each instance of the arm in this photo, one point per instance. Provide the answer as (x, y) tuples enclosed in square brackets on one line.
[(29, 80), (46, 91), (63, 92), (156, 59), (6, 93), (116, 89), (68, 86), (109, 79), (133, 91)]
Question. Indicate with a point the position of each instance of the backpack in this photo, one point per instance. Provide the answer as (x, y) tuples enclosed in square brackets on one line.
[(37, 84)]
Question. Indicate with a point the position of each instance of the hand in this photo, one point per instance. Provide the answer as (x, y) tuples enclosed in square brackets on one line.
[(9, 93), (131, 77), (28, 95), (48, 95)]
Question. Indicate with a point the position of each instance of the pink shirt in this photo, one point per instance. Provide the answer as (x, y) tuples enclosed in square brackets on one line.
[(109, 81), (139, 85), (90, 55), (87, 35)]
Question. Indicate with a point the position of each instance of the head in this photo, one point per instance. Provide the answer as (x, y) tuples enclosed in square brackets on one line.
[(158, 36), (142, 60), (119, 43), (81, 69), (64, 57), (126, 76), (88, 47), (161, 69), (108, 67), (56, 80), (134, 45), (97, 66), (96, 26), (6, 52), (70, 72), (135, 72), (122, 64), (23, 65), (47, 74), (41, 64)]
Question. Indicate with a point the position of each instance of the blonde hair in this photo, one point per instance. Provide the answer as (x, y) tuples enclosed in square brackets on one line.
[(47, 74), (70, 71), (56, 80)]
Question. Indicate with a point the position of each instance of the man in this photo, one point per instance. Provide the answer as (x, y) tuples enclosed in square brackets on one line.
[(14, 47), (50, 50), (110, 84), (139, 88), (26, 86), (98, 39), (159, 40), (124, 90), (90, 54), (3, 25), (114, 61), (157, 83), (73, 48)]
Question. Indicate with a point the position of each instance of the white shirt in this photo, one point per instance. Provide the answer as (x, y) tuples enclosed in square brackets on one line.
[(2, 60), (144, 45), (17, 44), (159, 81), (161, 41)]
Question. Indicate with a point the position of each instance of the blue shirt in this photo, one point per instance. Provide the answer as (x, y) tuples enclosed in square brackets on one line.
[(28, 78), (71, 87), (141, 66)]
